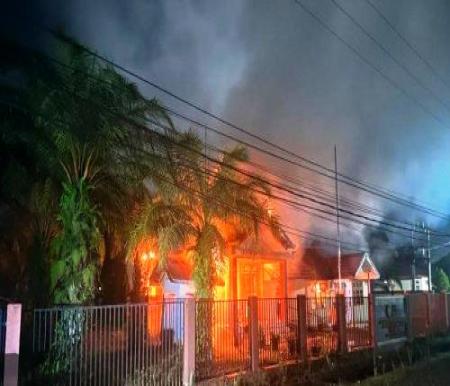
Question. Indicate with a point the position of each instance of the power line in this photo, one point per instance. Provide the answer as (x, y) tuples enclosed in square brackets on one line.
[(391, 81), (294, 193), (181, 116), (356, 183), (271, 184), (410, 46), (357, 205), (290, 202), (274, 155), (291, 230), (286, 228), (388, 53), (302, 195)]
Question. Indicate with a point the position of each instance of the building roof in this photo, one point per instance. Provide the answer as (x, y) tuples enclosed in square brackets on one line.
[(353, 266), (178, 269), (266, 245)]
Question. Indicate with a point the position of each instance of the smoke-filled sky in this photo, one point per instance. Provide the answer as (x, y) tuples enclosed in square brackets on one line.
[(270, 67)]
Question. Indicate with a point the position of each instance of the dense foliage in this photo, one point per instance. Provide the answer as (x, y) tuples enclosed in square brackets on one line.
[(86, 176), (441, 280)]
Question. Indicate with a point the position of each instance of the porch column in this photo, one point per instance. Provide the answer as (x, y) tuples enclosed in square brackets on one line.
[(342, 323), (12, 344), (254, 333), (189, 342)]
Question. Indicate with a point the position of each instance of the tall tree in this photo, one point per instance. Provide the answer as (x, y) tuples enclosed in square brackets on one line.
[(441, 280), (193, 201), (56, 108)]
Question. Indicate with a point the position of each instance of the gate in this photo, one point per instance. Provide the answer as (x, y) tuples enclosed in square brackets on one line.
[(222, 337)]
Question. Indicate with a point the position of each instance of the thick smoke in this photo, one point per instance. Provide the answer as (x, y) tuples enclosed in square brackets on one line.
[(305, 90), (268, 66)]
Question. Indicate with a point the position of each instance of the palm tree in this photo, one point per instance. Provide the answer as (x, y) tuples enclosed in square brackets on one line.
[(191, 203), (62, 109)]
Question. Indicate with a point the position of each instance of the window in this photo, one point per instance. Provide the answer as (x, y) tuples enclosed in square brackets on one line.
[(357, 292), (417, 285)]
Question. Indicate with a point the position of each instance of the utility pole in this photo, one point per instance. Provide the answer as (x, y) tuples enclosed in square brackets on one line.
[(413, 261), (430, 286), (338, 227)]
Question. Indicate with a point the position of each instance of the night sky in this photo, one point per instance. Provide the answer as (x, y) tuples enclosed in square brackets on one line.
[(270, 67)]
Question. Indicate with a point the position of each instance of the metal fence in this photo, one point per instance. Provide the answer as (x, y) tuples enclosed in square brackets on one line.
[(144, 343), (357, 322), (418, 314), (222, 337), (322, 328), (111, 345), (278, 330), (438, 322)]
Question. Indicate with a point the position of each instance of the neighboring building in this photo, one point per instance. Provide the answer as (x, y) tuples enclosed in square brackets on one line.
[(397, 274), (316, 275)]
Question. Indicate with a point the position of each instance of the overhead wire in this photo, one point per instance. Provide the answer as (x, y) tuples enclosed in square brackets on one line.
[(389, 54), (330, 206), (372, 189), (288, 229), (408, 44)]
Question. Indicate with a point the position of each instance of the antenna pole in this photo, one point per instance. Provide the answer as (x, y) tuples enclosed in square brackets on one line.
[(338, 225)]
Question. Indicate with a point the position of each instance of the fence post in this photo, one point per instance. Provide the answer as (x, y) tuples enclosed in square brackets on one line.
[(372, 321), (342, 323), (12, 344), (373, 331), (189, 342), (409, 309), (446, 311), (302, 328), (428, 302), (443, 322), (254, 332)]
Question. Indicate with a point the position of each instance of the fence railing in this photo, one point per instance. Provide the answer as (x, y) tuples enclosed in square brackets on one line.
[(150, 343), (111, 345), (357, 315), (222, 337), (277, 330), (321, 322)]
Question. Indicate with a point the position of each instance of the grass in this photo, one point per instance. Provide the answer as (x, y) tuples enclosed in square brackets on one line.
[(434, 372)]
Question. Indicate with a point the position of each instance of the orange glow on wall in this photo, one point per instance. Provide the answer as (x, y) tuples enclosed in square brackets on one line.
[(152, 291), (155, 313), (259, 277), (222, 292)]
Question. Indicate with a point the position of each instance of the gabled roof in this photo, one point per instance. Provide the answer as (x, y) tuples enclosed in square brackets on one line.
[(265, 244), (178, 269), (353, 266)]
